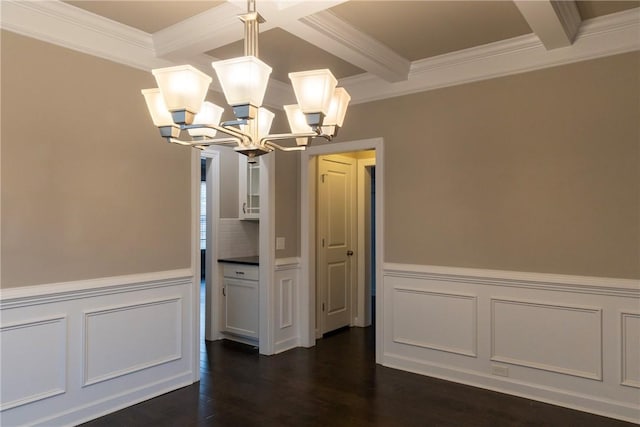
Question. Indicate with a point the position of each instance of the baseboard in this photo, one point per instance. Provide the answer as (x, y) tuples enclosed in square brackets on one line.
[(81, 414), (564, 398), (288, 344)]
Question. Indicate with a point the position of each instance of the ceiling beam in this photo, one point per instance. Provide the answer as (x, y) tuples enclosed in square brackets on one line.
[(336, 36), (208, 30), (220, 26), (555, 22)]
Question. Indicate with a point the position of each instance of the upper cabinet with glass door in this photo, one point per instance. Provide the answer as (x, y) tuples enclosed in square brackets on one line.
[(249, 188)]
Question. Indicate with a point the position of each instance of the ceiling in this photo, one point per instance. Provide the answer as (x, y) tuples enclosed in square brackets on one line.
[(378, 46)]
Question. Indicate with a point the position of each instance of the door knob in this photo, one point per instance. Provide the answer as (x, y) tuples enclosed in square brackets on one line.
[(349, 253)]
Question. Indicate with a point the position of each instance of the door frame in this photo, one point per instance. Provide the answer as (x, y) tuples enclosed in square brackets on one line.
[(212, 278), (307, 294), (363, 298)]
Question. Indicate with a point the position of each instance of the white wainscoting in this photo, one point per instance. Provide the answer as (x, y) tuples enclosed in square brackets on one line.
[(416, 308), (43, 362), (567, 340), (74, 351), (630, 363), (522, 332), (287, 330)]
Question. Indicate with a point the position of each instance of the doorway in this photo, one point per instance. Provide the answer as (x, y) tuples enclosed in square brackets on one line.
[(344, 219), (307, 299)]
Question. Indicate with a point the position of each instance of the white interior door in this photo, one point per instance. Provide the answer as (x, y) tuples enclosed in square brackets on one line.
[(336, 218)]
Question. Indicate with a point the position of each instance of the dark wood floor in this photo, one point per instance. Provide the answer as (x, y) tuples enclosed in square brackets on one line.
[(337, 383)]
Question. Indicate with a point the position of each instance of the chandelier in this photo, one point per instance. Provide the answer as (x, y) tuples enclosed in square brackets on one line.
[(178, 103)]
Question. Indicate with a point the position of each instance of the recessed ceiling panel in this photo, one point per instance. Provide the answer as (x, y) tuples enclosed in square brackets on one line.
[(286, 53), (421, 29), (148, 16), (593, 9)]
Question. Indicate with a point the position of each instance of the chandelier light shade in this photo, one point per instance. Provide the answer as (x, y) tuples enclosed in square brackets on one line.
[(244, 82), (314, 90), (297, 121), (337, 111), (160, 115), (178, 102), (265, 119), (183, 89), (209, 114)]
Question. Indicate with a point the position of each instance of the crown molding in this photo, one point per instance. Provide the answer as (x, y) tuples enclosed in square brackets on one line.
[(67, 26), (609, 35), (64, 25)]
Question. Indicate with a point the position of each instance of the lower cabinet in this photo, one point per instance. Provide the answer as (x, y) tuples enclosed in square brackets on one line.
[(240, 306)]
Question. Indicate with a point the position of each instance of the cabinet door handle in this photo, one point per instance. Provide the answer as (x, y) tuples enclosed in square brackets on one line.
[(224, 293), (244, 208)]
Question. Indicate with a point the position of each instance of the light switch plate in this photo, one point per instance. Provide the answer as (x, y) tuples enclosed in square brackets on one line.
[(280, 243)]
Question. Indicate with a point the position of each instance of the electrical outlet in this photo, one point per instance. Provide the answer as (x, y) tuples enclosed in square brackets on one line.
[(279, 243), (502, 371)]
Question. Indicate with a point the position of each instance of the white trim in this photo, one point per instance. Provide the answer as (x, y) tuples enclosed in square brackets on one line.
[(195, 263), (286, 344), (213, 277), (283, 264), (629, 288), (65, 291), (80, 414), (363, 309), (267, 253), (306, 294)]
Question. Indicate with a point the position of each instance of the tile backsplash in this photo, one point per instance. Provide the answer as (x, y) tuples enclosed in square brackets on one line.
[(237, 238)]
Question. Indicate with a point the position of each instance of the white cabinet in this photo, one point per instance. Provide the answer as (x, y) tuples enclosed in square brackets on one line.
[(240, 300), (249, 188)]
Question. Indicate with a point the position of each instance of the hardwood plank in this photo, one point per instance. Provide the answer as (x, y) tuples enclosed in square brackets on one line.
[(336, 383)]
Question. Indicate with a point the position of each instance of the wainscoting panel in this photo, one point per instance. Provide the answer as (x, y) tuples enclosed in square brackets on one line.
[(286, 303), (74, 351), (150, 331), (33, 361), (522, 333), (286, 322), (433, 320), (567, 340), (630, 349)]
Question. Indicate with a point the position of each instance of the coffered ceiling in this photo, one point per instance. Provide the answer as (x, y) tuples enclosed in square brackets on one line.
[(375, 48)]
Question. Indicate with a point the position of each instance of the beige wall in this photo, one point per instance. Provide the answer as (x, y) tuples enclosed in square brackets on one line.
[(534, 172), (89, 189), (287, 192)]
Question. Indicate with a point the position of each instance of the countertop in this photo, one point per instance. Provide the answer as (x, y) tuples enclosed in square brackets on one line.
[(247, 260)]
